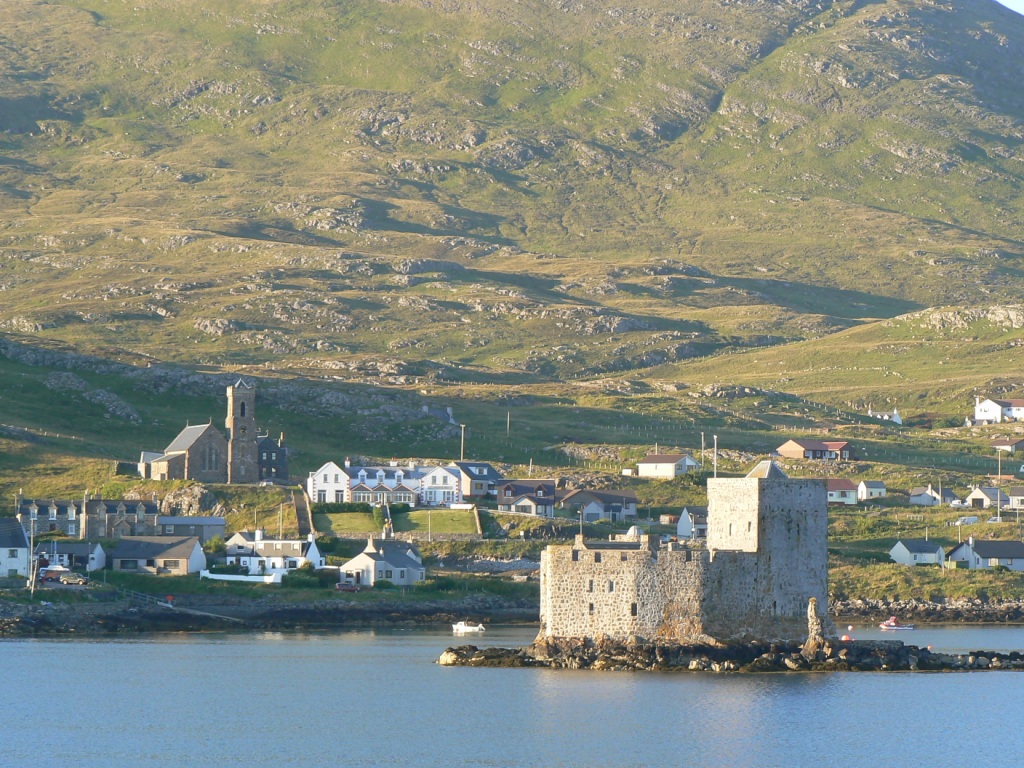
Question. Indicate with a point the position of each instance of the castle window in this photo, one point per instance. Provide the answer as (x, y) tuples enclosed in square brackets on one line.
[(623, 557), (632, 609), (575, 552), (730, 529), (590, 586), (591, 608), (611, 586), (749, 524), (597, 557), (241, 411)]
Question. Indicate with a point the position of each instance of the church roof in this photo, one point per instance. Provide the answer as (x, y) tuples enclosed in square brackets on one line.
[(186, 438)]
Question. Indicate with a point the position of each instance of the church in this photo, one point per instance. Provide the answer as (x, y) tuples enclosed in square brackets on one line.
[(203, 454)]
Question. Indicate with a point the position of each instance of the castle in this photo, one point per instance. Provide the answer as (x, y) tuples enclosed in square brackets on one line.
[(766, 556), (202, 453)]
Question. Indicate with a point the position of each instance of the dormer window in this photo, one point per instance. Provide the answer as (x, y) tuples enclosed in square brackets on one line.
[(53, 513), (540, 491), (72, 512)]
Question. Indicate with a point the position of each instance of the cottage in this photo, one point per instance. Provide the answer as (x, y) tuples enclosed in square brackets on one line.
[(893, 415), (90, 518), (393, 484), (819, 450), (262, 556), (441, 486), (693, 523), (983, 497), (74, 555), (869, 490), (616, 506), (158, 555), (13, 548), (917, 552), (988, 554), (841, 491), (929, 497), (1015, 493), (385, 559), (666, 465), (527, 497)]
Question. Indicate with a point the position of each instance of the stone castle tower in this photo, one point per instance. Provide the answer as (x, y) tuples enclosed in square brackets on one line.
[(766, 556), (243, 455)]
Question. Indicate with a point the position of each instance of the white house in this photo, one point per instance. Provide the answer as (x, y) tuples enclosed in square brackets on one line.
[(870, 489), (13, 548), (929, 497), (1008, 444), (1015, 493), (393, 484), (666, 465), (989, 411), (396, 561), (988, 554), (893, 415), (917, 552), (983, 497), (440, 486), (693, 523), (74, 555), (262, 556), (841, 491)]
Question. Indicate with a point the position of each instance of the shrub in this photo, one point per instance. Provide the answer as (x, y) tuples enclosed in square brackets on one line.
[(378, 517), (328, 508), (384, 584)]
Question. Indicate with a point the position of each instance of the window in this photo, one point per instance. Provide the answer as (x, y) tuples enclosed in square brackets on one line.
[(575, 555), (387, 574), (172, 564), (129, 565), (321, 496), (380, 574), (590, 586), (72, 512), (611, 586), (591, 609), (32, 513), (293, 564), (401, 574), (12, 553), (623, 557), (168, 529), (264, 456), (72, 529), (632, 609), (53, 513), (597, 557)]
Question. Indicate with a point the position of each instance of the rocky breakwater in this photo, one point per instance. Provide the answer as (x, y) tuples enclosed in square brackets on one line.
[(833, 656), (964, 610)]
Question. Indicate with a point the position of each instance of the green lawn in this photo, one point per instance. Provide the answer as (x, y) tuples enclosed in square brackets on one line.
[(440, 520)]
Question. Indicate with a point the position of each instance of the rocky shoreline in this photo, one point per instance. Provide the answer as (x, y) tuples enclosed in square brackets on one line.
[(834, 656), (952, 611)]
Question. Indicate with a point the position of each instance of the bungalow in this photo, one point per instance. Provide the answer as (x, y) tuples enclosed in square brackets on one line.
[(666, 465), (929, 497), (527, 497), (841, 491), (988, 554), (917, 552), (158, 555), (989, 411), (75, 555), (693, 523), (601, 505), (1015, 493), (867, 490), (260, 555), (13, 548), (983, 497), (476, 478), (1008, 444), (822, 450), (386, 559)]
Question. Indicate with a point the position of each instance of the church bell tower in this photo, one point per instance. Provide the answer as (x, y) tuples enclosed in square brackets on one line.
[(241, 425)]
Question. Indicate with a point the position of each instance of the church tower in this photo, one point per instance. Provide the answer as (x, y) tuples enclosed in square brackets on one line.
[(241, 426)]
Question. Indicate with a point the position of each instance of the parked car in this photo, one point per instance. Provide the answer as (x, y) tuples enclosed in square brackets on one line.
[(73, 578), (969, 520), (52, 573), (346, 586)]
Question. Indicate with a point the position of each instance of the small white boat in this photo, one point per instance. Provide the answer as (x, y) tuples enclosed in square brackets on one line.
[(892, 623), (462, 627)]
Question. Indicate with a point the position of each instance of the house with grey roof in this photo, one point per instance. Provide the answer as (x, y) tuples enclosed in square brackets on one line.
[(89, 518), (983, 497), (988, 554), (1015, 493), (386, 559), (868, 490), (921, 496), (82, 556), (158, 555), (260, 555), (917, 552), (205, 527), (477, 478), (14, 548), (666, 465), (693, 522), (616, 506), (527, 497)]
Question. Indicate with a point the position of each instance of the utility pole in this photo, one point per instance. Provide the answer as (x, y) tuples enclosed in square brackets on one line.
[(715, 455), (462, 446)]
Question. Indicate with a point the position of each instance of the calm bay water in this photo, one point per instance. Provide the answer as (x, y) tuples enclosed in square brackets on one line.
[(373, 698)]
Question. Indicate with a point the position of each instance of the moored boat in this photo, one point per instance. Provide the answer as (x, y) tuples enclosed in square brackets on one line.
[(463, 626), (893, 623)]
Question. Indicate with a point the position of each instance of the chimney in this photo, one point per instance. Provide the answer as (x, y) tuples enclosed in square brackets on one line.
[(348, 462), (970, 542), (412, 464), (258, 534)]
